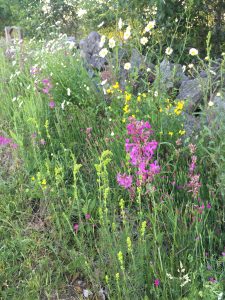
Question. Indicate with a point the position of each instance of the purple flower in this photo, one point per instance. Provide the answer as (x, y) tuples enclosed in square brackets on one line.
[(209, 205), (5, 141), (124, 180), (76, 227), (212, 280), (51, 104), (156, 282), (87, 216), (223, 253)]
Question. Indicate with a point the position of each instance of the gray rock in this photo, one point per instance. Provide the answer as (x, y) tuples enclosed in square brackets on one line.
[(170, 75), (90, 48), (193, 91)]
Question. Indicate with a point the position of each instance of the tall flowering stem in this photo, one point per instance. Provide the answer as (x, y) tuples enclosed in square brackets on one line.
[(194, 179), (141, 151)]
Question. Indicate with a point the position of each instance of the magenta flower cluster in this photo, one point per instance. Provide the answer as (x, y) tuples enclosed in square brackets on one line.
[(141, 151), (7, 141), (47, 86)]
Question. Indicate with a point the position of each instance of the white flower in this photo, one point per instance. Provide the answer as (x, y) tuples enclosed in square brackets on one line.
[(127, 66), (112, 43), (156, 94), (220, 296), (120, 24), (81, 12), (190, 66), (101, 24), (148, 70), (112, 133), (127, 33), (143, 40), (184, 68), (102, 41), (104, 82), (68, 91), (149, 26), (103, 52), (218, 94), (169, 51), (210, 104), (193, 52)]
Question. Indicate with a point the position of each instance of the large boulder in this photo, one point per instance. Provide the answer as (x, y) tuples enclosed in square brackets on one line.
[(193, 91), (90, 48), (170, 75)]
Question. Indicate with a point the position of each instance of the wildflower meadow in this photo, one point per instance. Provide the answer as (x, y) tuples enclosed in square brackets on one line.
[(112, 150)]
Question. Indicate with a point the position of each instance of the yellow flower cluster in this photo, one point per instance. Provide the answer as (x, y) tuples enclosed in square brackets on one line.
[(179, 107)]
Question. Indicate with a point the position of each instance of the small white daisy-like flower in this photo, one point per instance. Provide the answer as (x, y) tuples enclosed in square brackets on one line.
[(218, 94), (68, 91), (150, 26), (103, 52), (143, 40), (156, 93), (112, 133), (127, 66), (112, 43), (190, 66), (193, 52), (210, 104), (184, 68), (169, 51)]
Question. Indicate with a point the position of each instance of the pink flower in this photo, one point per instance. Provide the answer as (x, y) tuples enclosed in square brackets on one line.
[(87, 216), (223, 253), (124, 180), (76, 227), (51, 104), (4, 141), (42, 142), (209, 205), (156, 282)]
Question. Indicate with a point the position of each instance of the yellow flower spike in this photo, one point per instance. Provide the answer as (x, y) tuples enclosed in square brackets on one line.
[(126, 109), (160, 109), (133, 116), (117, 277), (127, 97), (129, 244), (139, 98), (32, 178), (106, 279), (124, 120), (170, 133)]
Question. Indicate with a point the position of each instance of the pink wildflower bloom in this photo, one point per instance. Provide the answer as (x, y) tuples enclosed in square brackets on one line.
[(209, 205), (212, 280), (14, 146), (87, 216), (51, 104), (156, 282), (124, 180), (5, 141), (76, 227)]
